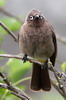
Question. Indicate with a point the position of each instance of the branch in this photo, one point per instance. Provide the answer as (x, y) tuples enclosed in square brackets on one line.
[(30, 59), (2, 10), (8, 31), (61, 81), (60, 77), (14, 90), (61, 39), (56, 87)]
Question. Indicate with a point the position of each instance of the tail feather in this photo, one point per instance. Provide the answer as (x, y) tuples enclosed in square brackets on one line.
[(40, 78), (35, 81), (45, 80)]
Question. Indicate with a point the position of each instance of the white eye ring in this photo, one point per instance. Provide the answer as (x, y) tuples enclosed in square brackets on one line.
[(41, 17), (31, 18)]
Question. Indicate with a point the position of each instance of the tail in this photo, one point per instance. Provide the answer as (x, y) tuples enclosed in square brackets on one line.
[(40, 78)]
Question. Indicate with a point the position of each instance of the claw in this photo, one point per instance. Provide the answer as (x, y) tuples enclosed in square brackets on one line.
[(45, 65), (24, 58)]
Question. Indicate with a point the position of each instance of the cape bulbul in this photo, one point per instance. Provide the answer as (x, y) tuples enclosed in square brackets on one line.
[(37, 39)]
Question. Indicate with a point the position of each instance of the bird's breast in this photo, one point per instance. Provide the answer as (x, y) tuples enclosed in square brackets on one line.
[(36, 43)]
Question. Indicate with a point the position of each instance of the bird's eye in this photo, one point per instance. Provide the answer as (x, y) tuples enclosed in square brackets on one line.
[(41, 17), (31, 18)]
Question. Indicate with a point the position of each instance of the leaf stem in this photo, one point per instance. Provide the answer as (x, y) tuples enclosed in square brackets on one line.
[(22, 80)]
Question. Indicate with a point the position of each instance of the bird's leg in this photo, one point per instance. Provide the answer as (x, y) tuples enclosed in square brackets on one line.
[(24, 58), (45, 65)]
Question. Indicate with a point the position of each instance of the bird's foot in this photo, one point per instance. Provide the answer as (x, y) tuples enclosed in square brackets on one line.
[(45, 65), (24, 58)]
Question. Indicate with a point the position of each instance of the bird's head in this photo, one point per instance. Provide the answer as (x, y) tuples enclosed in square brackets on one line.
[(35, 18)]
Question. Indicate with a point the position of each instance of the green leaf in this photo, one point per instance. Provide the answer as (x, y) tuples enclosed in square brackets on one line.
[(63, 66), (17, 69), (11, 23), (11, 97), (2, 3), (2, 90)]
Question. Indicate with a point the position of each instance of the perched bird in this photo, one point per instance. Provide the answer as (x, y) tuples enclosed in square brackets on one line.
[(37, 39)]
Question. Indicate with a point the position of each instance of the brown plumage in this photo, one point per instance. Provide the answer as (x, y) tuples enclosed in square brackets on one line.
[(37, 39)]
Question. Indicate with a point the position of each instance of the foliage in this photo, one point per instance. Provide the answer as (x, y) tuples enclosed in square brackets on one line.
[(63, 66), (2, 3), (14, 69), (17, 69), (11, 23)]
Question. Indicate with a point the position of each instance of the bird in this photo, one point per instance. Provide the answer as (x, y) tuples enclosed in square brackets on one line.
[(37, 39)]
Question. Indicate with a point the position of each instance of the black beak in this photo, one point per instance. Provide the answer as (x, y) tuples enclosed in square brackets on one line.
[(36, 17)]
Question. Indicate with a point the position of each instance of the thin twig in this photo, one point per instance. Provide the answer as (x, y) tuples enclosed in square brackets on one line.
[(8, 31), (19, 96), (2, 10), (61, 39), (14, 90), (61, 79), (56, 87), (54, 70), (59, 76), (3, 85), (20, 57)]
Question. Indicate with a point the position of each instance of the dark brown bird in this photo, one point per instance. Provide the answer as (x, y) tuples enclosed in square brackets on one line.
[(37, 39)]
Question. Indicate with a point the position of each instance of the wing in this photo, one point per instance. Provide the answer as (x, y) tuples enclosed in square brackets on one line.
[(53, 57)]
